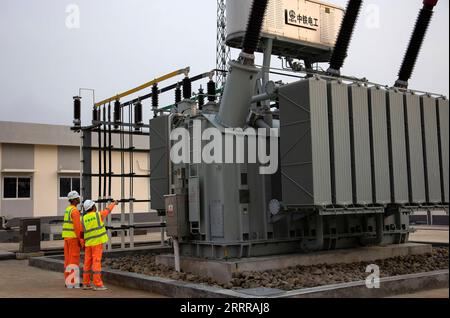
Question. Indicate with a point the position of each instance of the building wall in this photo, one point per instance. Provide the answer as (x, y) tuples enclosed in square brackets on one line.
[(45, 153), (68, 160), (17, 157), (45, 185)]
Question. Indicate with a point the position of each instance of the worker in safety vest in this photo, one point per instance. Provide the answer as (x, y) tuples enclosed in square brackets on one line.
[(73, 241), (94, 237)]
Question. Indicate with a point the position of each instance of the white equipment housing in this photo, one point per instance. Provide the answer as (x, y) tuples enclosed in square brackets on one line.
[(303, 29)]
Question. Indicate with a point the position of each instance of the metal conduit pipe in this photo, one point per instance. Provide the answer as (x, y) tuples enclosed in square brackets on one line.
[(260, 123), (270, 92), (261, 97), (176, 252)]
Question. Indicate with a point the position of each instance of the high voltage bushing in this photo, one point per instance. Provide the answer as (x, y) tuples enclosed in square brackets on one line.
[(77, 111), (138, 114), (187, 88), (254, 26), (117, 114), (211, 91), (177, 94), (415, 44), (201, 98), (345, 36)]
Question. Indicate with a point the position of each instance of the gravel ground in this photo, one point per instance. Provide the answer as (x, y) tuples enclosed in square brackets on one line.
[(295, 277)]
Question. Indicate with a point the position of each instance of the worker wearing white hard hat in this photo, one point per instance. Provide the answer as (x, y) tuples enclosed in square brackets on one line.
[(73, 240), (73, 195), (88, 204), (95, 236)]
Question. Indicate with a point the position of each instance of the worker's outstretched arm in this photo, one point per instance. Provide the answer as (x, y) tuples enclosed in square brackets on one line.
[(108, 210)]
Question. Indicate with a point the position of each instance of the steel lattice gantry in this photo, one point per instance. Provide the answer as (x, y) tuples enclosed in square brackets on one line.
[(223, 51)]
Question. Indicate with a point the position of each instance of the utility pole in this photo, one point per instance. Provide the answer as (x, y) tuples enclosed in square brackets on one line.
[(223, 51)]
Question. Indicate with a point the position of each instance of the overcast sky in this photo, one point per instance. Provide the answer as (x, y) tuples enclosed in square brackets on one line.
[(122, 43)]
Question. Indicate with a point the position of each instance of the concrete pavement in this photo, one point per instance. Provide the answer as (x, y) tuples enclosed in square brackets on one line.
[(18, 280), (430, 234), (434, 293)]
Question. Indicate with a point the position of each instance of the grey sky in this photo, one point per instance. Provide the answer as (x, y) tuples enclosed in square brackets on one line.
[(123, 43)]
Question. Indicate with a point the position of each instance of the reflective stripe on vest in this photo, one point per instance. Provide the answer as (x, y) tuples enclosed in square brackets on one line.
[(94, 229), (68, 230)]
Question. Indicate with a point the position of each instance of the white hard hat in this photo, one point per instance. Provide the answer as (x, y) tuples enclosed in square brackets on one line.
[(88, 204), (73, 195)]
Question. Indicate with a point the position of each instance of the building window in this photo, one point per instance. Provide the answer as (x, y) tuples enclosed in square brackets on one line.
[(67, 184), (16, 188)]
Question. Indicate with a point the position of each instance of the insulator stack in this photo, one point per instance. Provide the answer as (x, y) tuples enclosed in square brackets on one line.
[(345, 36), (201, 98), (77, 111), (96, 114), (177, 94), (254, 26), (187, 88), (211, 91), (117, 114), (415, 44), (155, 96), (138, 113)]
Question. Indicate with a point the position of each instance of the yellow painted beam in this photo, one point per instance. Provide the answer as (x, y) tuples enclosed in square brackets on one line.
[(143, 86)]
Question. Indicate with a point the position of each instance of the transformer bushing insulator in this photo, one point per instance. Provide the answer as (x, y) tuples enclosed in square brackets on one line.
[(155, 96), (345, 35), (254, 26), (211, 91), (77, 111), (187, 88), (177, 95), (201, 98), (415, 44)]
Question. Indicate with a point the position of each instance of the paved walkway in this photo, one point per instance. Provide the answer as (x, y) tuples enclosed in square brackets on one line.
[(18, 280), (435, 293)]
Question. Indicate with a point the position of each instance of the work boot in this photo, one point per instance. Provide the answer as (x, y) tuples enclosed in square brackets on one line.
[(72, 286), (100, 288)]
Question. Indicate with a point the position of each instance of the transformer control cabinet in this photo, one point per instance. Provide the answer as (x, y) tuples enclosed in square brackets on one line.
[(176, 215)]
